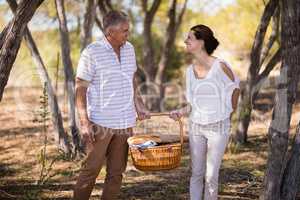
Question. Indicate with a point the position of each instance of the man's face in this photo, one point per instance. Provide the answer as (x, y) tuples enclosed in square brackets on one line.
[(120, 33)]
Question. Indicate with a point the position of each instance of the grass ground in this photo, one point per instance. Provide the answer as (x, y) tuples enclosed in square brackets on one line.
[(21, 141)]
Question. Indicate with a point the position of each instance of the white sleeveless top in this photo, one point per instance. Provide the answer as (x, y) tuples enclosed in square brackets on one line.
[(210, 97)]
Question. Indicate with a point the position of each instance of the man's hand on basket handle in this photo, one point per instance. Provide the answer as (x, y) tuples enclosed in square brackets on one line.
[(143, 114), (175, 114)]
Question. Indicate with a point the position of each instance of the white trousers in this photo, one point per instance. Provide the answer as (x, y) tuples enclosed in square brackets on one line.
[(207, 146)]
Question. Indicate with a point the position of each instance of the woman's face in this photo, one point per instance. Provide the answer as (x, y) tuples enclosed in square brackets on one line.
[(192, 44)]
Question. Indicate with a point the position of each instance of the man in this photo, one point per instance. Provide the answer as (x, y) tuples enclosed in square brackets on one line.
[(107, 103)]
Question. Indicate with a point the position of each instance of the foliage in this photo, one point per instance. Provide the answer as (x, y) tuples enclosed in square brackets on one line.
[(234, 26), (42, 159), (73, 9), (239, 22), (49, 52)]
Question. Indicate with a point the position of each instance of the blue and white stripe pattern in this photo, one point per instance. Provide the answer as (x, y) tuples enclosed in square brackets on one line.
[(110, 92)]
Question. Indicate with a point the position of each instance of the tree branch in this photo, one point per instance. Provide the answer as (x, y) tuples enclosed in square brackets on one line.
[(263, 76), (88, 22), (61, 136), (274, 35), (170, 39), (12, 42), (109, 4), (102, 7), (260, 35), (144, 5), (99, 23), (179, 19), (68, 71), (272, 63), (154, 8), (147, 34), (3, 34)]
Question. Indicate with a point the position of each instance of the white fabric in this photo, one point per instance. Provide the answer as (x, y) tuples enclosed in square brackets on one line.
[(207, 146), (210, 97), (110, 91)]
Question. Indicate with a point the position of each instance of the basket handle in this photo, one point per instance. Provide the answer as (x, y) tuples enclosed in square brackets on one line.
[(179, 121)]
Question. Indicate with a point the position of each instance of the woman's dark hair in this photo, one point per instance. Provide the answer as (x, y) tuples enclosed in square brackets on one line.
[(204, 33)]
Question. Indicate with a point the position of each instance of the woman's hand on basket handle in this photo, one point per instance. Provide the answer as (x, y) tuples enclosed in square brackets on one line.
[(184, 111)]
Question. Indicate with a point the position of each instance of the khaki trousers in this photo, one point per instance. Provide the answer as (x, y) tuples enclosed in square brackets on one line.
[(110, 144)]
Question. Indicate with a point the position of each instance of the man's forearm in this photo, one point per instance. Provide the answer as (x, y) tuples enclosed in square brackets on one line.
[(137, 98), (81, 105), (138, 101)]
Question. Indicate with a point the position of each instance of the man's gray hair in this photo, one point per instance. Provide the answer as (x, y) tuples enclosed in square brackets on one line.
[(113, 18)]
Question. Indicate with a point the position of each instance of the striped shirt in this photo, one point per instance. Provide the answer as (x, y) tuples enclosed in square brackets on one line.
[(110, 92)]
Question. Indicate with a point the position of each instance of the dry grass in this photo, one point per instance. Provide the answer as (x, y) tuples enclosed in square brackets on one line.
[(21, 140)]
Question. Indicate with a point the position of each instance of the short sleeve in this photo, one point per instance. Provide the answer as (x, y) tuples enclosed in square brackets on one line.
[(228, 84), (188, 85), (86, 66)]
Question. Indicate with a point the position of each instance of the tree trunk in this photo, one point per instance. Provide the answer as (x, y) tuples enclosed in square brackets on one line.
[(68, 71), (244, 116), (13, 37), (278, 133), (88, 22), (3, 34), (99, 24), (155, 74), (273, 36), (104, 7), (291, 176), (148, 55), (60, 137), (246, 100), (173, 26)]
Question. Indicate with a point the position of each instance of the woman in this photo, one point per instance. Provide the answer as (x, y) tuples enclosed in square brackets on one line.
[(212, 92)]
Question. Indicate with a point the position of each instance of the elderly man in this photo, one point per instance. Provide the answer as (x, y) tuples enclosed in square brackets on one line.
[(107, 103)]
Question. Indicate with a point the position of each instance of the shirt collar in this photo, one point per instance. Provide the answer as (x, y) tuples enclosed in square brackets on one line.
[(108, 45)]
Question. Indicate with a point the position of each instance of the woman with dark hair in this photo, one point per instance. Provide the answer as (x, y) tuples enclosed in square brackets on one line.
[(212, 91)]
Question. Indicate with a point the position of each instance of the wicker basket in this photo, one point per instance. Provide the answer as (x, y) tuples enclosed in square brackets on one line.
[(162, 157)]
